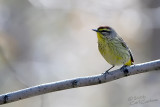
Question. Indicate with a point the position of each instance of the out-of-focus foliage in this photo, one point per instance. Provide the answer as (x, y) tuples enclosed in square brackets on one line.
[(49, 40)]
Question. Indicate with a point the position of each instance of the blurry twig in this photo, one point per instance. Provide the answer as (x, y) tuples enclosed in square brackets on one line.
[(79, 82)]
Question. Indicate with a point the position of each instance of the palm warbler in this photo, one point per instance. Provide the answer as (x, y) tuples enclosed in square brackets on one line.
[(113, 48)]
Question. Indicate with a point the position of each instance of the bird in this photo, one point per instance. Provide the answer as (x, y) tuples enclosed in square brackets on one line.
[(113, 48)]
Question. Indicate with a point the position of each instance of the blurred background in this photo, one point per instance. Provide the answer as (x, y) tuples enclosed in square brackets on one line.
[(44, 41)]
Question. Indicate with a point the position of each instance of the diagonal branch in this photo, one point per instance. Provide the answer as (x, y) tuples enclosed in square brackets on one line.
[(79, 82)]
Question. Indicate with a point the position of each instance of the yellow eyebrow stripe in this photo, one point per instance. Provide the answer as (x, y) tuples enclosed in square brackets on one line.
[(108, 29), (104, 29)]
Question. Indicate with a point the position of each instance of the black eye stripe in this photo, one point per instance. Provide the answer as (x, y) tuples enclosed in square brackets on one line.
[(103, 31)]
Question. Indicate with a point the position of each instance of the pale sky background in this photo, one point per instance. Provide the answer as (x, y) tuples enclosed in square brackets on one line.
[(44, 41)]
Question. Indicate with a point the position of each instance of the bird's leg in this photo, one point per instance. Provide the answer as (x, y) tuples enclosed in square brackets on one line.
[(109, 69), (123, 67)]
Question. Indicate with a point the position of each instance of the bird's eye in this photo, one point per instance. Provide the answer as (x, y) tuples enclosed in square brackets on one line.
[(106, 31)]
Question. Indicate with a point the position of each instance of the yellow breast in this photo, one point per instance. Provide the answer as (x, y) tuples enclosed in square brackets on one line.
[(112, 51)]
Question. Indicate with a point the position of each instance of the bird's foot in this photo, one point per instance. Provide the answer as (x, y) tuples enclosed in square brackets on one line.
[(124, 70), (123, 67), (106, 72)]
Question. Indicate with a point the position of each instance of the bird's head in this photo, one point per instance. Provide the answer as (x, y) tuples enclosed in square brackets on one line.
[(105, 32)]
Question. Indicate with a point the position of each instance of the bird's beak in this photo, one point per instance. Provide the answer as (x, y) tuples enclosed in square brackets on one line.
[(95, 30)]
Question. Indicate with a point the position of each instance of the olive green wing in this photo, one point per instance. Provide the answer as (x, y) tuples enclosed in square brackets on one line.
[(125, 46)]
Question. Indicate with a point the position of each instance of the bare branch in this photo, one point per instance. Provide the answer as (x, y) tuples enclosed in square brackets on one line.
[(79, 82)]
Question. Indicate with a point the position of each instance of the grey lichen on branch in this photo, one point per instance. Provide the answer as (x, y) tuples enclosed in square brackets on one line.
[(79, 82)]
